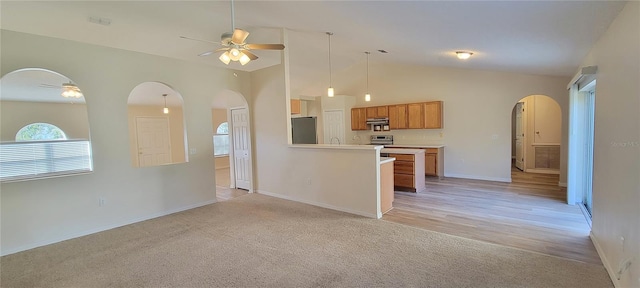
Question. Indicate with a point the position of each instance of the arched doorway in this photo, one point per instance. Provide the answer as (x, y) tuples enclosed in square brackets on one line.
[(536, 137), (232, 145)]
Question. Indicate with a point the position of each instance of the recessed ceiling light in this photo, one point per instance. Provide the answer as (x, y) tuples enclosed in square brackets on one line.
[(463, 55)]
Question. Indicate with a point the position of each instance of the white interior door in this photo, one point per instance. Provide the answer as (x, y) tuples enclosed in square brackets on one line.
[(154, 145), (333, 126), (519, 136), (241, 147)]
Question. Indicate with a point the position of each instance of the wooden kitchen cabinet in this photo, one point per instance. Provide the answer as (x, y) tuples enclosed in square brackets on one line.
[(377, 112), (408, 172), (431, 162), (358, 119), (398, 116), (295, 106), (415, 116), (433, 115)]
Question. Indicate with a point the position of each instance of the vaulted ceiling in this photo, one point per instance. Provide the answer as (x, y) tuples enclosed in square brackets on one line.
[(535, 37)]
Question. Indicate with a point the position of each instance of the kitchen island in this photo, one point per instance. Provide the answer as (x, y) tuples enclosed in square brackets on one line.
[(386, 184), (433, 158), (408, 168)]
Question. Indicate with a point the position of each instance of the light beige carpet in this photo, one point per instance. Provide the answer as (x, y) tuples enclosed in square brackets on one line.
[(260, 241)]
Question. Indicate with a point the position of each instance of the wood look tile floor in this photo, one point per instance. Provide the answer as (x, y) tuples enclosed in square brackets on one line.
[(223, 192), (530, 213)]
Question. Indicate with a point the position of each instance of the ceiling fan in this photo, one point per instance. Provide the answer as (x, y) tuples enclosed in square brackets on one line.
[(234, 46), (69, 90)]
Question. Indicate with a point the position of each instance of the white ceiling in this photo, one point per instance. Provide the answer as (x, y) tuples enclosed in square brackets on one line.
[(535, 37)]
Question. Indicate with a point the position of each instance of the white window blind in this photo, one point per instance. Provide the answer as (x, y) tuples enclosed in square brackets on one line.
[(39, 159)]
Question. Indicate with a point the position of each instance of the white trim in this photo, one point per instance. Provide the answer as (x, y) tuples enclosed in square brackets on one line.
[(605, 262), (545, 144), (103, 228), (543, 171), (475, 177), (319, 204), (562, 184)]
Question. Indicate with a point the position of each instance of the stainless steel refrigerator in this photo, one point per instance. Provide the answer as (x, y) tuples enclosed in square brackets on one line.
[(304, 130)]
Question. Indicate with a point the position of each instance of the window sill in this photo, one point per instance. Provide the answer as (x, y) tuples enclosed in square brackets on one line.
[(45, 176)]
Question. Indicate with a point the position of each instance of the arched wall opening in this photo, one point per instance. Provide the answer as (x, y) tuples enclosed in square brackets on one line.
[(536, 130), (232, 151)]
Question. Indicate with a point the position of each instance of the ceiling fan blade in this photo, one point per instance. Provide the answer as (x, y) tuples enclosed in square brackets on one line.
[(239, 36), (265, 46), (207, 53), (194, 39), (250, 55)]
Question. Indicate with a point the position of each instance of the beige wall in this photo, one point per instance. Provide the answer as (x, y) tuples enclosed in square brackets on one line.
[(477, 107), (616, 184), (71, 118), (176, 130), (218, 116), (39, 212)]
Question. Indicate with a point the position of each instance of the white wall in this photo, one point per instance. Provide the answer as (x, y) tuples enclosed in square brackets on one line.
[(477, 108), (337, 178), (39, 212), (616, 184)]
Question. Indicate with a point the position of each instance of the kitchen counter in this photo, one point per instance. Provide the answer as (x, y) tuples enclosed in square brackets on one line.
[(402, 151), (386, 159), (414, 146)]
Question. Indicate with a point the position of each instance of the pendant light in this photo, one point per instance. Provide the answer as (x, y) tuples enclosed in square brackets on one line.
[(165, 110), (330, 90), (367, 96)]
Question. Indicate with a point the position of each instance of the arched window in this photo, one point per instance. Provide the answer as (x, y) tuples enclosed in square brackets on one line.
[(40, 131), (221, 140)]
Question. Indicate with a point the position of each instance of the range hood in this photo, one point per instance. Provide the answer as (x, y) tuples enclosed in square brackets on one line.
[(378, 121)]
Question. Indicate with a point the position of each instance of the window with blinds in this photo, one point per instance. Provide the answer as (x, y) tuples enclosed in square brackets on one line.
[(41, 159)]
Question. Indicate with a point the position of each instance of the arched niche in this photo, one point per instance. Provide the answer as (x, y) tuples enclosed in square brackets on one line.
[(33, 101), (537, 134), (157, 131)]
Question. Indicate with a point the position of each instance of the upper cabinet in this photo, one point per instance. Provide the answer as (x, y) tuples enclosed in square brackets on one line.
[(295, 106), (377, 112), (425, 115), (398, 117), (358, 118), (433, 115)]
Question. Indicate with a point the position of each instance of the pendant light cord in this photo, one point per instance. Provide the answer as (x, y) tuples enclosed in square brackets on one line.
[(329, 33), (367, 71)]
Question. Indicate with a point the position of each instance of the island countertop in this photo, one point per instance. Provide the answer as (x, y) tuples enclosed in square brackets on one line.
[(386, 159), (414, 146), (401, 151)]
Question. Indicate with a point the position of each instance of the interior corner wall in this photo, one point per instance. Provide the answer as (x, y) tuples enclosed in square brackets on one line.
[(39, 212), (616, 151), (477, 107)]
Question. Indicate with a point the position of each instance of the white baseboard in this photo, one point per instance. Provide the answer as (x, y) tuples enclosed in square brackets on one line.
[(562, 184), (605, 262), (319, 204), (475, 177), (100, 229)]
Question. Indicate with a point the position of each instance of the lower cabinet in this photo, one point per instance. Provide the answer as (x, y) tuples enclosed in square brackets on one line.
[(408, 172)]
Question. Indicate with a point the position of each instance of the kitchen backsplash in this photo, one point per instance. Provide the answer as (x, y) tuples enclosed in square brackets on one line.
[(409, 136)]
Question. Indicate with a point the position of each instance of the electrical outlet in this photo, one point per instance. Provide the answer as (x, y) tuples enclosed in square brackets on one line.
[(308, 181), (101, 202), (193, 151)]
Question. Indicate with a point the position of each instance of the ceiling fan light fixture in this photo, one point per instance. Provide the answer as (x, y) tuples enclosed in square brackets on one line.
[(70, 90), (463, 55), (225, 58), (244, 59)]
